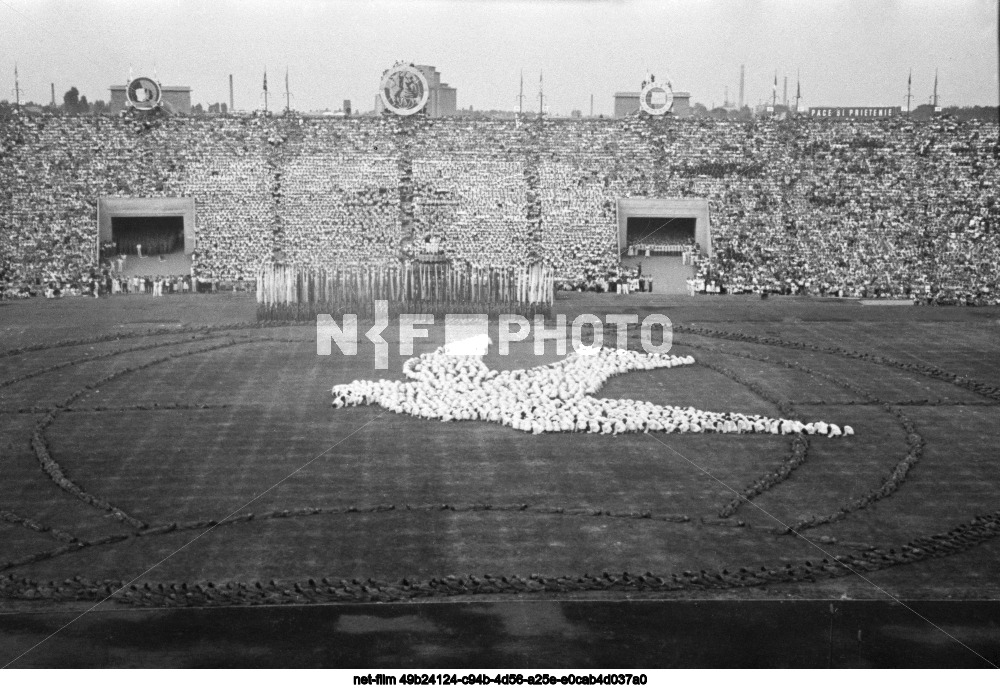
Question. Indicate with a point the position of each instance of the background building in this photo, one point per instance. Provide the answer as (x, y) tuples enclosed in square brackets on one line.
[(627, 103), (443, 99), (177, 98)]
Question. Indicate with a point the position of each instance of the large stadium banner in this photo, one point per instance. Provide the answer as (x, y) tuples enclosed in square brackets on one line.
[(143, 93), (871, 113), (656, 98), (404, 90)]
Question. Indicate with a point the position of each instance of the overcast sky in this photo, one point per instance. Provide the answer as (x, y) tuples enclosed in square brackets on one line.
[(849, 52)]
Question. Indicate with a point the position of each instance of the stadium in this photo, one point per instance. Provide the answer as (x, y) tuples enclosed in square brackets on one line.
[(807, 446), (129, 432)]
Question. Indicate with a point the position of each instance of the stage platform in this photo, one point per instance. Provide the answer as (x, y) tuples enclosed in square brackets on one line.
[(668, 272), (177, 263)]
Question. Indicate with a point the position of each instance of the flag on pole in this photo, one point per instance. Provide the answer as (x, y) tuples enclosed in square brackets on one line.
[(265, 78), (520, 96), (541, 97)]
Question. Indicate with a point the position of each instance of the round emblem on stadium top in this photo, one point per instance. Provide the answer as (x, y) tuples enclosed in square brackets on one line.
[(404, 90), (143, 93), (656, 98)]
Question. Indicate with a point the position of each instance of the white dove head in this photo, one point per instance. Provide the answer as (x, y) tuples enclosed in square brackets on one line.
[(476, 345)]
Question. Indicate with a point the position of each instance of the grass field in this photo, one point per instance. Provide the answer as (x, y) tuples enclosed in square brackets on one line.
[(130, 427)]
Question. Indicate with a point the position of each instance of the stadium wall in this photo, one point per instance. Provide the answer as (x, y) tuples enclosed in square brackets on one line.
[(327, 191)]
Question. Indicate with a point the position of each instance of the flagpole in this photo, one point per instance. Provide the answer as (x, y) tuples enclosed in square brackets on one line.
[(541, 91), (909, 84), (265, 89), (520, 98), (288, 95), (798, 89)]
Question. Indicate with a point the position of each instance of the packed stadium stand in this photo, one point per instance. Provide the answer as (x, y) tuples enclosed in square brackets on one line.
[(881, 208)]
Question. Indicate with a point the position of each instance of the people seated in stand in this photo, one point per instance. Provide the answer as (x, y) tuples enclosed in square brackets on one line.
[(881, 208)]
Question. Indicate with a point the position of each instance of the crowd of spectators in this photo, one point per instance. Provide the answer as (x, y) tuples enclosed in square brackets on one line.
[(870, 209), (470, 187), (339, 193), (53, 170), (107, 281), (149, 243), (881, 208), (477, 207), (620, 280), (685, 251)]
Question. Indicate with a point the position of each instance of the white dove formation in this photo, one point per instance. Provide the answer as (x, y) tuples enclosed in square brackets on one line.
[(553, 398)]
